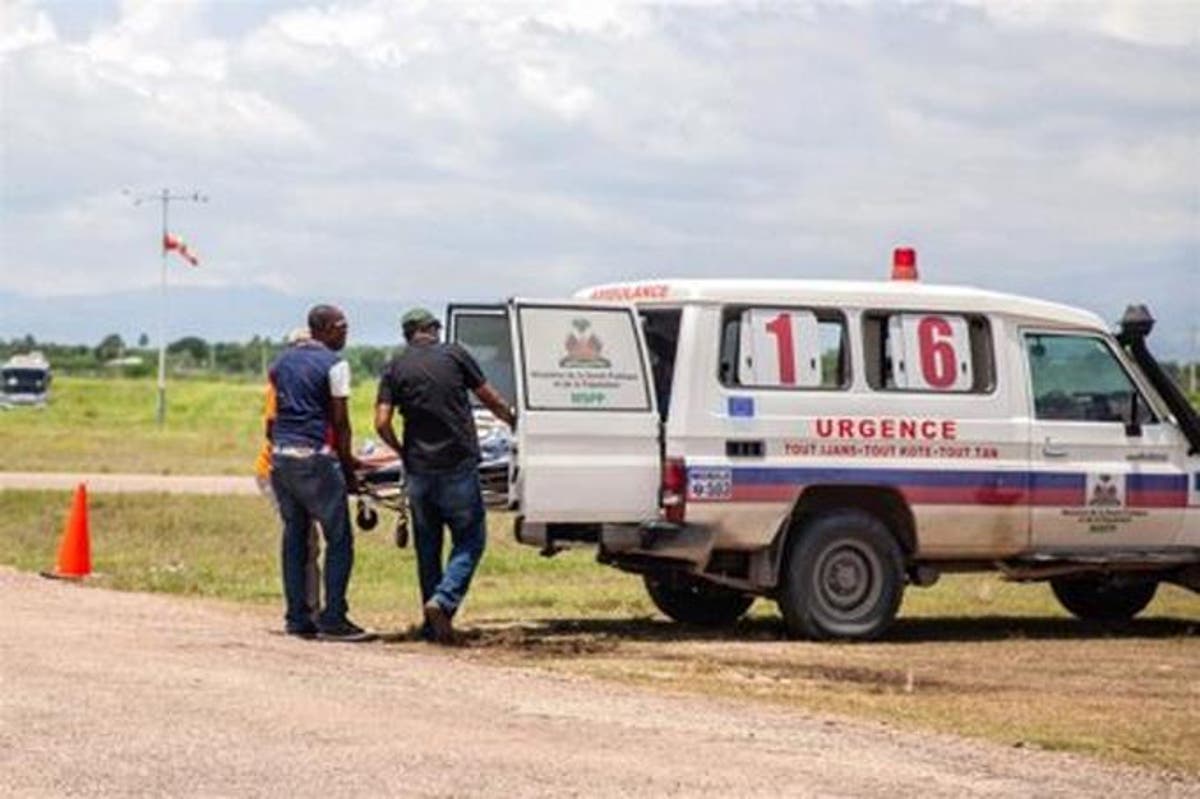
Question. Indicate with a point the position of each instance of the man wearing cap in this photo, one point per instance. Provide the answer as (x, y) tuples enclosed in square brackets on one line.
[(311, 470), (428, 384)]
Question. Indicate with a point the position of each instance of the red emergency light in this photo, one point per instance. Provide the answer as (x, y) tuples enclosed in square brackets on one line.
[(904, 263)]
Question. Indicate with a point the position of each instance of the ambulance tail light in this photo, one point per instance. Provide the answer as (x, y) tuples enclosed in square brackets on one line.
[(904, 263), (674, 490)]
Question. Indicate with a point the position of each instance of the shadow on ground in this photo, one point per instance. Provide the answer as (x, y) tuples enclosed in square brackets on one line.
[(595, 635)]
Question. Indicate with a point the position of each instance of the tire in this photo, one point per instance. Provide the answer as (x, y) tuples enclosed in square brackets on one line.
[(843, 577), (1102, 598), (696, 602)]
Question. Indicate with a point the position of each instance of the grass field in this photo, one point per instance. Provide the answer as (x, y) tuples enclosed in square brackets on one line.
[(107, 425), (972, 655)]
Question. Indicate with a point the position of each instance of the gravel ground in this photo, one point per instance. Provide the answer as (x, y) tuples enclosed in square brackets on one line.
[(105, 693)]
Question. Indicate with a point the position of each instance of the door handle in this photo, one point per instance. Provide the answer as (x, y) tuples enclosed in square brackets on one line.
[(1054, 450)]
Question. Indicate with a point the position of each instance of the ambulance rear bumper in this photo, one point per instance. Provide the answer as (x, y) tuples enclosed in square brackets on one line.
[(658, 539), (654, 539)]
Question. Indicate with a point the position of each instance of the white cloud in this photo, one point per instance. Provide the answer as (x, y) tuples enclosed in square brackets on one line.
[(1174, 23), (482, 150), (23, 25)]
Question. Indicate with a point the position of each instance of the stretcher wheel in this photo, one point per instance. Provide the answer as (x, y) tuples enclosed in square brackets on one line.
[(366, 518)]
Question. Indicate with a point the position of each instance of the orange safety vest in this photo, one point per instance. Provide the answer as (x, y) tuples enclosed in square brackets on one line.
[(262, 463)]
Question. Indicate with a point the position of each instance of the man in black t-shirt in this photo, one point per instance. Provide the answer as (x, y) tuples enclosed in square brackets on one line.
[(428, 383)]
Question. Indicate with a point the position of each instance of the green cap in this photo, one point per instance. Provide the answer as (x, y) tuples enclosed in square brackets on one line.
[(419, 317)]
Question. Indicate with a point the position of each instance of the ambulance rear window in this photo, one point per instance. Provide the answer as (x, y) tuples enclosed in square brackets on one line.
[(928, 352), (784, 348)]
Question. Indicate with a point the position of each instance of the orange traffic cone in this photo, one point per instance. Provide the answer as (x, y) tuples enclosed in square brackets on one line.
[(75, 551)]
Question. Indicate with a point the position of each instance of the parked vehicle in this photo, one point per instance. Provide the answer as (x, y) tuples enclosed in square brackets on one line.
[(827, 444), (25, 380)]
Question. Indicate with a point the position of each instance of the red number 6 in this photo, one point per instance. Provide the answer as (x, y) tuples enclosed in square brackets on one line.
[(938, 361)]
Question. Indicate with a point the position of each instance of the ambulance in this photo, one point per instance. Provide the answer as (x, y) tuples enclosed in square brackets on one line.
[(827, 444)]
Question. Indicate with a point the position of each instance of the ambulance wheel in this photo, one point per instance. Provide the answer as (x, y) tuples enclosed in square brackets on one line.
[(1095, 597), (843, 578), (691, 601)]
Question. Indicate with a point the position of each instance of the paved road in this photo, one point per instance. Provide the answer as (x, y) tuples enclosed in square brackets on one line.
[(107, 693), (112, 483)]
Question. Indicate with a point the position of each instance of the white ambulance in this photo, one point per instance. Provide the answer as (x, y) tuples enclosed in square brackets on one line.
[(826, 443)]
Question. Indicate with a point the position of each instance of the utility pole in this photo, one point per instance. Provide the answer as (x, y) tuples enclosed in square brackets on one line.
[(165, 197)]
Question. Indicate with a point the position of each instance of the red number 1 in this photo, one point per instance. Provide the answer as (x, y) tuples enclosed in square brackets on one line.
[(781, 328)]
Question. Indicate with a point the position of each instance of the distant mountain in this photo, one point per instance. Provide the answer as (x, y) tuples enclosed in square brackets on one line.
[(216, 314)]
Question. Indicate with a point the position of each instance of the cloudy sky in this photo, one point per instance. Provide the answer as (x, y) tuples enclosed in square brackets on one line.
[(451, 150)]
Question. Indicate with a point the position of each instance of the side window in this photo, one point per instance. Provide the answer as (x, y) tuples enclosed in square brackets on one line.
[(784, 348), (1078, 379), (932, 352), (487, 338)]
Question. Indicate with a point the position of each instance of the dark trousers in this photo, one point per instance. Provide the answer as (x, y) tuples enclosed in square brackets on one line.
[(451, 500), (313, 489)]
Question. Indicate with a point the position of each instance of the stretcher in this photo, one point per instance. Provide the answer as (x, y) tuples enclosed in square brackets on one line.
[(382, 486)]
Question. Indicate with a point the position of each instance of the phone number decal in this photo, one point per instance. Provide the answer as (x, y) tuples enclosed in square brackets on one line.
[(710, 483)]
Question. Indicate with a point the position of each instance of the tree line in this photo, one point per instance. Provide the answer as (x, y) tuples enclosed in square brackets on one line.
[(112, 356), (192, 355)]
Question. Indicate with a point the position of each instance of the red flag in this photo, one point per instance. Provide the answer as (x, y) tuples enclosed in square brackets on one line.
[(173, 242)]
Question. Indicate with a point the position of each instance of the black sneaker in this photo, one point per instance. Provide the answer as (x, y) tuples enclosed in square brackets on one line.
[(346, 631), (306, 631), (437, 619)]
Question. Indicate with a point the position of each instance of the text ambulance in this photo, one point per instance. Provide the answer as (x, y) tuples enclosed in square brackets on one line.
[(826, 443)]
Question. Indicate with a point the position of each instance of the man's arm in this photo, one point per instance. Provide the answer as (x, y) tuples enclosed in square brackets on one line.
[(342, 437), (339, 417), (495, 403), (383, 426)]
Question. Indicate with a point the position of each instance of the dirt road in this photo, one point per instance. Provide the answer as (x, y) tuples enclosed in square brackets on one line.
[(109, 693), (111, 483)]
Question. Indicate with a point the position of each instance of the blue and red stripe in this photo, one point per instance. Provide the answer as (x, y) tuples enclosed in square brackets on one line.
[(1156, 490), (947, 487)]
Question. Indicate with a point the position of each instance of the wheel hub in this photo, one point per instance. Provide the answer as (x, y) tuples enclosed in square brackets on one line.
[(847, 578)]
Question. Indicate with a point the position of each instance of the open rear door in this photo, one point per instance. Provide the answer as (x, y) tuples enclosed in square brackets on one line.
[(587, 430), (484, 332)]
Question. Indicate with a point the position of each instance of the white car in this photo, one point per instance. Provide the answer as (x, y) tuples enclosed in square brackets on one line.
[(25, 380)]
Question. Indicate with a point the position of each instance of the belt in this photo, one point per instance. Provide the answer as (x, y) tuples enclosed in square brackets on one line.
[(300, 452)]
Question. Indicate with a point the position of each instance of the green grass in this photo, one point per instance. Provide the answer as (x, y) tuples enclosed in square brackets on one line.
[(227, 548), (108, 425)]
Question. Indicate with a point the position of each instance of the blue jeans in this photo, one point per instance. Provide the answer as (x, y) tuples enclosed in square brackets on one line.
[(453, 500), (313, 489)]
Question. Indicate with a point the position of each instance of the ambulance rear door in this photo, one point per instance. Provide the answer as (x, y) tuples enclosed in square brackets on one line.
[(588, 435), (483, 331)]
